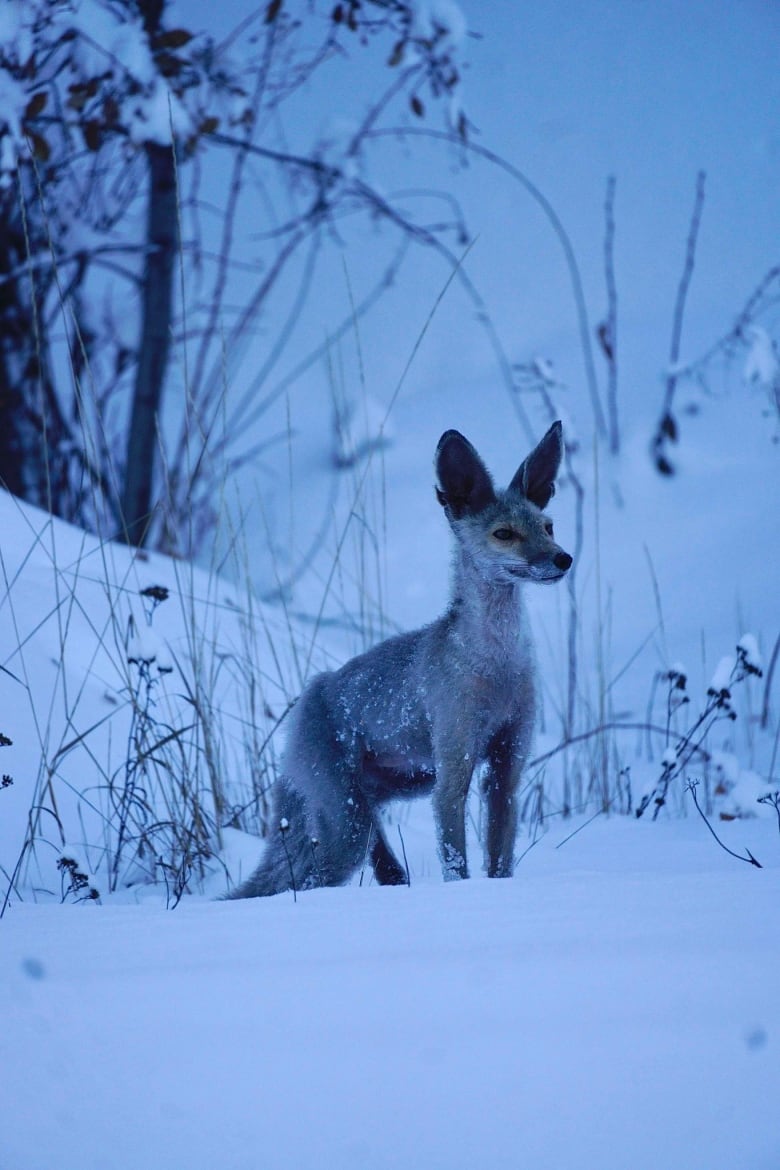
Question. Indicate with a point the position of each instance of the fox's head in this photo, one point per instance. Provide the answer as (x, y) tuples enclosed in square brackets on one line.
[(505, 533)]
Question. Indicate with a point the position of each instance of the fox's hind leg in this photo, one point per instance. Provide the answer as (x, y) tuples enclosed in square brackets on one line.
[(387, 868), (322, 767), (382, 783)]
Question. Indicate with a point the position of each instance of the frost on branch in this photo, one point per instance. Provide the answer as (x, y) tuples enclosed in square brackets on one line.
[(114, 78), (76, 880), (762, 367), (438, 19), (720, 682), (689, 745), (146, 646), (749, 654)]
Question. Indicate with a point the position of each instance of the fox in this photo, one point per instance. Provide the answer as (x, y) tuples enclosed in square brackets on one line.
[(422, 712)]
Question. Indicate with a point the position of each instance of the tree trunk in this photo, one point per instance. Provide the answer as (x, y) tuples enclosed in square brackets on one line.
[(22, 455), (21, 461), (154, 345)]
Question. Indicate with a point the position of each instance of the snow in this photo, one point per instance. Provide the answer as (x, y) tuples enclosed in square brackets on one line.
[(615, 1005), (156, 116), (441, 18), (722, 678), (12, 100), (105, 40), (15, 35), (146, 645), (749, 652)]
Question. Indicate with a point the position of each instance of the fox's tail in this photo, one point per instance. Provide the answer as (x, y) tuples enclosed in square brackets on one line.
[(290, 860), (322, 826)]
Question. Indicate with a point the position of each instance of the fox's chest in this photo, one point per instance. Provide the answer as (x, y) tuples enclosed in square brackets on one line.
[(488, 701), (422, 699)]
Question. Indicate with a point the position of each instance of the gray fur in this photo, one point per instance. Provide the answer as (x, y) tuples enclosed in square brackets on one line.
[(419, 712)]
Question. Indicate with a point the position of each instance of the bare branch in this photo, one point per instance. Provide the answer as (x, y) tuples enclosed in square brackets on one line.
[(754, 305), (667, 426), (607, 331), (600, 730)]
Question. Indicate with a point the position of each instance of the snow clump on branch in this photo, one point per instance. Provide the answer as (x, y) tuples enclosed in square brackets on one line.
[(121, 80)]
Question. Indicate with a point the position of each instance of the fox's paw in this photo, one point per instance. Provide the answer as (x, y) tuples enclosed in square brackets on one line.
[(454, 865)]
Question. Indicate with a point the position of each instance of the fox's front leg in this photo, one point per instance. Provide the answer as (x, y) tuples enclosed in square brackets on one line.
[(506, 756), (453, 777)]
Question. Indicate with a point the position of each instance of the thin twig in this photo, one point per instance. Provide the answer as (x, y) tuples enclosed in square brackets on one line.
[(612, 726), (750, 859), (753, 306), (369, 839), (667, 426), (608, 337), (560, 232), (770, 670), (599, 812), (685, 281), (284, 827), (403, 851), (772, 798)]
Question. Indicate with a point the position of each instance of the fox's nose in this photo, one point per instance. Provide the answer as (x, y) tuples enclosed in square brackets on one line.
[(562, 561)]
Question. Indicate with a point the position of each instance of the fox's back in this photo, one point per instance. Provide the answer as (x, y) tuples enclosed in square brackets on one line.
[(381, 699), (394, 699)]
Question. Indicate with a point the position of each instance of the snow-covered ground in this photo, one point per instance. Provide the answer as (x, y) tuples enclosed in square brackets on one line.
[(615, 1005)]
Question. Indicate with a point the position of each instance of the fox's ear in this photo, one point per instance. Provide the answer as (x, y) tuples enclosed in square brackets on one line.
[(535, 477), (464, 481)]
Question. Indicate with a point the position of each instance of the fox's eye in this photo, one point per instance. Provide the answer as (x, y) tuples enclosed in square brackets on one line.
[(548, 528), (504, 534)]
